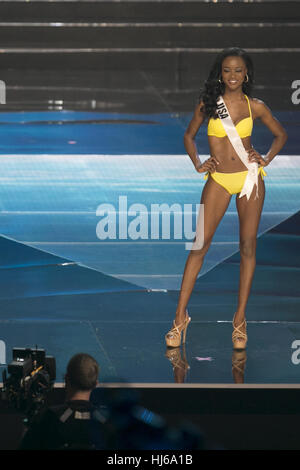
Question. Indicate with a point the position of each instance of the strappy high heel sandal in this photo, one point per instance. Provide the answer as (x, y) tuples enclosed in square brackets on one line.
[(173, 337), (239, 359), (177, 360), (239, 338), (238, 365)]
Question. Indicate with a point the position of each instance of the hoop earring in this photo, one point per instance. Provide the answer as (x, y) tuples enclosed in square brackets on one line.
[(246, 81), (220, 81)]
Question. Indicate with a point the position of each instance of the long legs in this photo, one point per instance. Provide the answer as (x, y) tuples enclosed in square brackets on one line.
[(216, 200), (249, 213)]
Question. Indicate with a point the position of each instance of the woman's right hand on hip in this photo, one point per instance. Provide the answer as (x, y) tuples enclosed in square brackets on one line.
[(209, 165)]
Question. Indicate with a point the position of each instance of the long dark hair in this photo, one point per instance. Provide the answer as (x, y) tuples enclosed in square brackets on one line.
[(213, 88)]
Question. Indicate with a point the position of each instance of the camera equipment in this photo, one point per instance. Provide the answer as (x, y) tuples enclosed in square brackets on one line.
[(130, 426), (31, 377)]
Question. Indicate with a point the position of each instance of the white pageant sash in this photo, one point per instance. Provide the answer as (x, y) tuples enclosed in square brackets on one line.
[(230, 129)]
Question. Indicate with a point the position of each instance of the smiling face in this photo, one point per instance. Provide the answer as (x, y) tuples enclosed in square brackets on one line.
[(233, 72)]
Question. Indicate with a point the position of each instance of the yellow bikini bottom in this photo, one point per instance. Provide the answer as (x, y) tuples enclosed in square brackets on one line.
[(232, 182)]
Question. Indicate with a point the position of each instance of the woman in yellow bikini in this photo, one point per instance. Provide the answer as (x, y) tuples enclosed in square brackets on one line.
[(231, 78)]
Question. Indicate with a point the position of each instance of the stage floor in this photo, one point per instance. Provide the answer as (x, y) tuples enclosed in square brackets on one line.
[(65, 289)]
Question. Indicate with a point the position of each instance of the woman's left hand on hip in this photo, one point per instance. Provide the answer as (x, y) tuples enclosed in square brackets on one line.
[(254, 156)]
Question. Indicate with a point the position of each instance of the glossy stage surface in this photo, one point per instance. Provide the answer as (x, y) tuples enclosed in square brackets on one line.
[(65, 289), (98, 198)]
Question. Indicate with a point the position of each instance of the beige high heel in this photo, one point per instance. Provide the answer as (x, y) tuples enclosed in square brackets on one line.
[(177, 359), (239, 359), (239, 338), (173, 337)]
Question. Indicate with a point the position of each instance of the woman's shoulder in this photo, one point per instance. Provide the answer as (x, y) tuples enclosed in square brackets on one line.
[(256, 102), (258, 106), (200, 109), (200, 106)]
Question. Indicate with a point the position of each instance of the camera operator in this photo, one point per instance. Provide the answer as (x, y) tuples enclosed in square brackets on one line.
[(69, 426)]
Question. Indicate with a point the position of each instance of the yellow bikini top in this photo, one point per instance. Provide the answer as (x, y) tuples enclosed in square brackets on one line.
[(244, 127)]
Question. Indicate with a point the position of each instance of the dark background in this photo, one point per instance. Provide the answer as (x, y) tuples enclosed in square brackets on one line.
[(141, 56)]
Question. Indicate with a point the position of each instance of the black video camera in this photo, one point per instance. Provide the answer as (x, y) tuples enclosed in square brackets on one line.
[(31, 377)]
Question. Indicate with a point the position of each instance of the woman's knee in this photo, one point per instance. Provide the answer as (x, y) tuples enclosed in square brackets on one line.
[(200, 248), (248, 247)]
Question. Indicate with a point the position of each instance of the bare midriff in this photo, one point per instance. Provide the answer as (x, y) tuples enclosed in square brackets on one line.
[(222, 150)]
